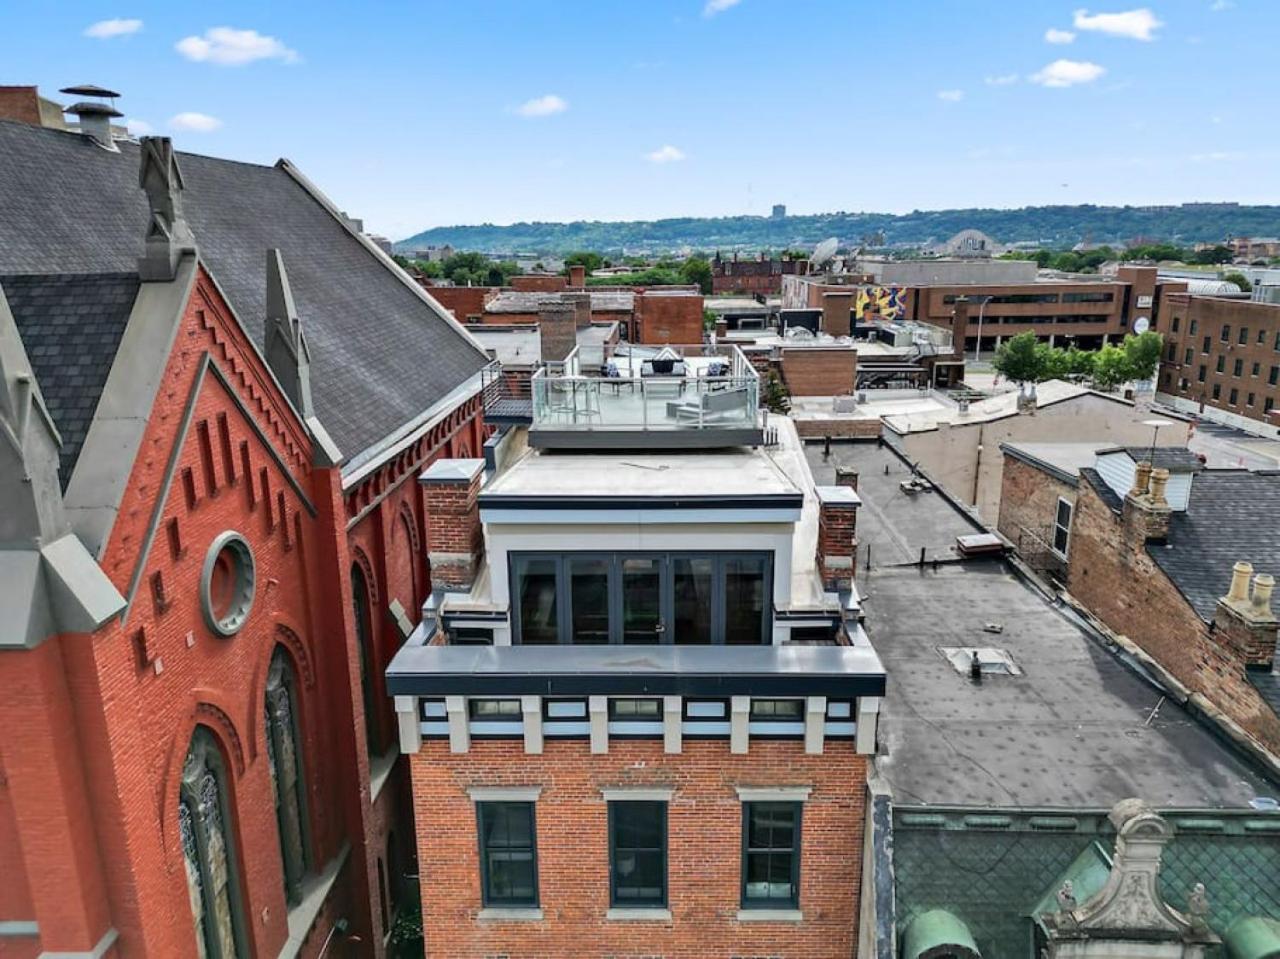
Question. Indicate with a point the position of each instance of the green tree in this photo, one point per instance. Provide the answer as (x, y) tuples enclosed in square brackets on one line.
[(776, 398), (1067, 262), (1214, 254), (697, 270), (1053, 362), (1239, 279), (592, 261), (1143, 354), (1111, 367), (1020, 359), (1079, 362)]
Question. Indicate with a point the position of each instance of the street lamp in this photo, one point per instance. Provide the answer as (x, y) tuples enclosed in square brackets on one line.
[(977, 347)]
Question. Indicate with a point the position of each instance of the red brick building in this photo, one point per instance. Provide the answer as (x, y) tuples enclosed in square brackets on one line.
[(760, 275), (211, 546)]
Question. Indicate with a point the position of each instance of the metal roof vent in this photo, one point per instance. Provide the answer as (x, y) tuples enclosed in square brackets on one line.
[(94, 116)]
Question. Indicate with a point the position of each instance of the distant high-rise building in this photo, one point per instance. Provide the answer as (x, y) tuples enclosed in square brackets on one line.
[(779, 211)]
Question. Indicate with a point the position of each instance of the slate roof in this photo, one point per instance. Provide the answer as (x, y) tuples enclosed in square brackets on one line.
[(991, 867), (380, 354), (70, 326), (1232, 515), (1176, 459)]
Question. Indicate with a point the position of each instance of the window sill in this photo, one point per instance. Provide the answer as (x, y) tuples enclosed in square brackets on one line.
[(380, 771), (510, 914), (315, 890), (770, 915), (639, 915)]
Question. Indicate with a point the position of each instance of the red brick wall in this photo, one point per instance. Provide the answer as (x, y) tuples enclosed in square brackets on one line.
[(21, 104), (704, 843), (462, 301), (814, 371), (843, 428), (1112, 575), (1029, 506), (668, 319), (540, 284)]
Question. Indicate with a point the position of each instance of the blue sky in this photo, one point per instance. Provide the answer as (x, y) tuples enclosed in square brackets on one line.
[(428, 114)]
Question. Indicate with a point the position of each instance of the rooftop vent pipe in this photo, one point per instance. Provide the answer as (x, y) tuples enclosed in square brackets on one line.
[(95, 121)]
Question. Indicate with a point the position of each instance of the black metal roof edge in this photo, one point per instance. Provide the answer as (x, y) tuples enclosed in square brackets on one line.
[(406, 683), (700, 501)]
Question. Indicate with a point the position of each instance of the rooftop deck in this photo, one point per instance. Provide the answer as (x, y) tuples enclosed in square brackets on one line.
[(662, 397)]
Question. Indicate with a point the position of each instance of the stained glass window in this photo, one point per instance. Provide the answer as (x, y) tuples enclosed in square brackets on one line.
[(285, 761), (207, 851)]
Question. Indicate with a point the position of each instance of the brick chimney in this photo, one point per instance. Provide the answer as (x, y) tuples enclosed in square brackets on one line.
[(837, 311), (577, 276), (1146, 511), (837, 532), (581, 309), (455, 540), (1244, 621), (558, 324), (959, 325)]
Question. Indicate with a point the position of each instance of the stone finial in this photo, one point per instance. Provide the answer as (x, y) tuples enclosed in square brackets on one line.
[(169, 236), (285, 346), (1159, 480), (1141, 478), (1239, 591), (1263, 585)]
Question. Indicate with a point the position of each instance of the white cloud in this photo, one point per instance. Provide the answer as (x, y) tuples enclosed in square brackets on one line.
[(1139, 24), (1067, 73), (195, 122), (665, 154), (1054, 35), (117, 27), (1219, 5), (139, 128), (543, 106), (229, 47), (718, 6), (1003, 80), (951, 96)]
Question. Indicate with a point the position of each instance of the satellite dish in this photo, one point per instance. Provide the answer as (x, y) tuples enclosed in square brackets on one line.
[(1141, 325), (824, 251)]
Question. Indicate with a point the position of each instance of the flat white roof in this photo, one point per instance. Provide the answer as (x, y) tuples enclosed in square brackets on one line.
[(983, 411)]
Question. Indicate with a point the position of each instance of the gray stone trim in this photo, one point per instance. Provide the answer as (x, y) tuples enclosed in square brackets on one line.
[(504, 793), (496, 914), (770, 915), (773, 793), (19, 927), (315, 891), (637, 793), (638, 915), (99, 950)]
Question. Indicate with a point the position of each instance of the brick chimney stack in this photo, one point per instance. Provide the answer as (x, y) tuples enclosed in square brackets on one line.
[(837, 313), (1244, 621), (455, 539), (558, 327), (837, 532), (1146, 511), (959, 326), (577, 276)]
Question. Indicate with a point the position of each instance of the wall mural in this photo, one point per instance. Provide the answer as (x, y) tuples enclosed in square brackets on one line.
[(888, 301)]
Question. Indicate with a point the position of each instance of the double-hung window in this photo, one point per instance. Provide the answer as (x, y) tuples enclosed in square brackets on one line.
[(508, 854), (771, 855), (638, 854), (1062, 528)]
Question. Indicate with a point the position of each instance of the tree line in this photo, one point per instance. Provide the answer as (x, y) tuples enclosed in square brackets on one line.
[(1024, 359)]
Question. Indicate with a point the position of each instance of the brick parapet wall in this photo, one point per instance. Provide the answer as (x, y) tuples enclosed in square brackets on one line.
[(818, 371), (705, 851)]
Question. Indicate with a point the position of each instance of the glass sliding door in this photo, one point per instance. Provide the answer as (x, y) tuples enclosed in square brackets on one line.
[(536, 599), (746, 597), (642, 599), (588, 599), (692, 579)]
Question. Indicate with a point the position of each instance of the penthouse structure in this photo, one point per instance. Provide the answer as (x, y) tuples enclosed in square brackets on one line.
[(641, 708)]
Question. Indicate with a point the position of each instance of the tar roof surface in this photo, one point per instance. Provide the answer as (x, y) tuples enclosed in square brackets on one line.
[(1232, 515), (893, 524), (71, 327), (380, 354), (1076, 729)]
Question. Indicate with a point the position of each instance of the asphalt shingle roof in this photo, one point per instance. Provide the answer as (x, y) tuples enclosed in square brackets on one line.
[(380, 355), (1232, 515), (70, 326), (1176, 459)]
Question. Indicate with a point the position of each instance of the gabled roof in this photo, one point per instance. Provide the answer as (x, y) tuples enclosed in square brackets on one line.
[(1176, 459), (71, 326), (1232, 515), (382, 351)]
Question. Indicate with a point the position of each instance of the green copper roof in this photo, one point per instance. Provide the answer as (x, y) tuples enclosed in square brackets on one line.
[(992, 872), (1088, 874), (1253, 938), (938, 933)]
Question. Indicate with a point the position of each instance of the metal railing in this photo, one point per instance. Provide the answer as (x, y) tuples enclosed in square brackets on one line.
[(648, 388)]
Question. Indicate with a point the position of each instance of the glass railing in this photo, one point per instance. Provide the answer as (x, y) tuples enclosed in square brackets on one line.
[(649, 388)]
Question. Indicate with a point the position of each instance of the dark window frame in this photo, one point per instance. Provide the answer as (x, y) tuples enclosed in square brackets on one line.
[(777, 902), (661, 902), (615, 715), (487, 898), (1059, 528), (757, 715), (498, 717), (516, 561)]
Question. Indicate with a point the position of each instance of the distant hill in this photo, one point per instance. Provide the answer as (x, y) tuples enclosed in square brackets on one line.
[(1057, 226)]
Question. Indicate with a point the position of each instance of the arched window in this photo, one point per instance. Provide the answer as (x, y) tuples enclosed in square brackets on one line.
[(411, 559), (284, 757), (208, 851), (364, 640)]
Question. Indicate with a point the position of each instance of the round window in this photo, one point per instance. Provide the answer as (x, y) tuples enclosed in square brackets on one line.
[(227, 584)]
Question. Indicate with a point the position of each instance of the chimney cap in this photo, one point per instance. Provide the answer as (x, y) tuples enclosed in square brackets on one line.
[(86, 108), (89, 90)]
